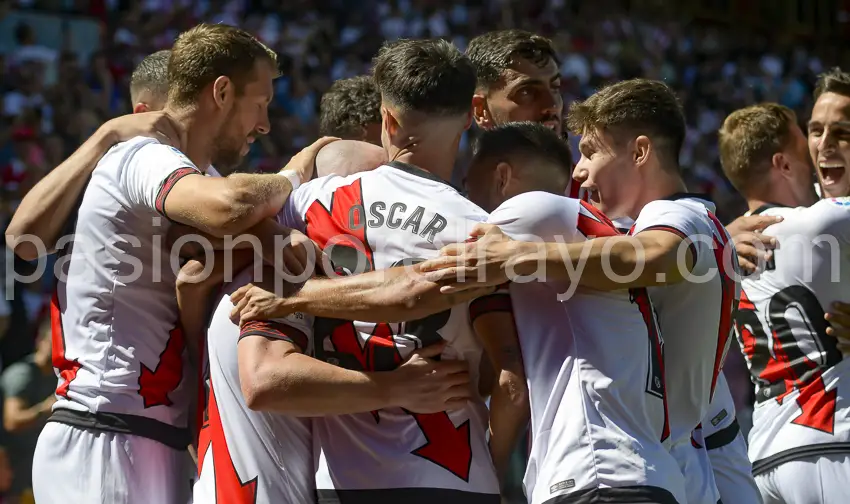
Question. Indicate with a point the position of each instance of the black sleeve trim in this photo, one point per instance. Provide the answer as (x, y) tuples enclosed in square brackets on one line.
[(275, 330), (168, 185), (676, 231), (498, 302), (723, 437)]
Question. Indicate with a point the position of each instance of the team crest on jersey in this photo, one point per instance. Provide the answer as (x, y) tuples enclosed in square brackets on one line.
[(843, 202)]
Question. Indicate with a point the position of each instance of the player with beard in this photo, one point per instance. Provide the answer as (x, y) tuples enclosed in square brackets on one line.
[(123, 406), (631, 135), (801, 432)]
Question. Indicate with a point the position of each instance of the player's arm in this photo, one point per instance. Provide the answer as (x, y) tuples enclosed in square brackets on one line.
[(276, 376), (493, 259), (46, 207), (392, 295), (493, 321), (229, 206)]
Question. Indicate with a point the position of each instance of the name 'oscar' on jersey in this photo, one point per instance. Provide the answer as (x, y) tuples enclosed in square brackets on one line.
[(797, 369), (595, 369), (396, 214)]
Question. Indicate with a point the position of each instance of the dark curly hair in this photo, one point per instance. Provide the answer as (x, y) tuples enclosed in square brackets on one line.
[(348, 107)]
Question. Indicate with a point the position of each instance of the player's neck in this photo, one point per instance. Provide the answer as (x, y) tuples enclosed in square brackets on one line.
[(660, 185), (432, 158), (775, 196), (198, 135)]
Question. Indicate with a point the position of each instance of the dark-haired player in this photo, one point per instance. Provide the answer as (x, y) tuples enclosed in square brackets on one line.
[(631, 135), (606, 367), (351, 110)]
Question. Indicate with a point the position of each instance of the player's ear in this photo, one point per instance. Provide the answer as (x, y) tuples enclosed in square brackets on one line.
[(780, 162), (223, 91), (390, 122), (503, 177), (642, 150), (481, 113)]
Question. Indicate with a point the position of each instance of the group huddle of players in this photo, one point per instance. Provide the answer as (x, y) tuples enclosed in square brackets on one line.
[(593, 305)]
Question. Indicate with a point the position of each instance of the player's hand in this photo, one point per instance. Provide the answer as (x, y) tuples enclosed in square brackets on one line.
[(484, 260), (45, 407), (424, 385), (255, 302), (305, 161), (839, 320), (752, 247), (157, 125)]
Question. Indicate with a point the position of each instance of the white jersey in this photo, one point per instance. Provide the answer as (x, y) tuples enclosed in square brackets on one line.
[(247, 456), (117, 346), (372, 220), (695, 315), (594, 365), (800, 408)]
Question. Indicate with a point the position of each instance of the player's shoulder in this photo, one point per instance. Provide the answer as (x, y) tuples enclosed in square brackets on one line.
[(536, 213), (145, 151), (690, 214), (813, 220)]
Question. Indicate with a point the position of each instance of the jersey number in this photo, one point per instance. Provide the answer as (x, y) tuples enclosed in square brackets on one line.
[(446, 445), (155, 385), (781, 362)]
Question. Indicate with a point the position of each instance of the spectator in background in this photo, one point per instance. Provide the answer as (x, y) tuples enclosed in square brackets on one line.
[(28, 389), (351, 110), (6, 476)]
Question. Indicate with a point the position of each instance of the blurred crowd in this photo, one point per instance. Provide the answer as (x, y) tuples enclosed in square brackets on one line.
[(54, 97)]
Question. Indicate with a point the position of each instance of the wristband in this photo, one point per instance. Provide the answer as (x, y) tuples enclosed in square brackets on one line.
[(293, 177)]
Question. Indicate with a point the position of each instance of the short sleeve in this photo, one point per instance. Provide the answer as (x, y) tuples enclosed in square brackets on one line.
[(15, 380), (840, 219), (499, 301), (667, 216), (151, 172), (296, 328), (544, 217)]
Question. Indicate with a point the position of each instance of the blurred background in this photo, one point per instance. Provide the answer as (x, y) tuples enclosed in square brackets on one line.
[(65, 66)]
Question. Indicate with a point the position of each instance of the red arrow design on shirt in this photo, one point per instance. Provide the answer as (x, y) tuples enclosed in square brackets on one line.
[(229, 489), (154, 386), (817, 407), (446, 445)]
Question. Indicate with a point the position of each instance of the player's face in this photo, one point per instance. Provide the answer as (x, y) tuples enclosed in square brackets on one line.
[(607, 171), (801, 169), (530, 93), (829, 143), (246, 119)]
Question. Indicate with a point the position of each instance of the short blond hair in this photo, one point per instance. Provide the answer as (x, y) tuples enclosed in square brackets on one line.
[(748, 140), (208, 51)]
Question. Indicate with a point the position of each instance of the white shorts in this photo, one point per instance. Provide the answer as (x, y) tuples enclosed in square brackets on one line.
[(819, 480), (73, 464), (694, 463), (733, 473)]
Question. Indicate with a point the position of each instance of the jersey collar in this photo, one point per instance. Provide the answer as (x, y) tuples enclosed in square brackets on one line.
[(765, 207), (419, 172), (683, 195)]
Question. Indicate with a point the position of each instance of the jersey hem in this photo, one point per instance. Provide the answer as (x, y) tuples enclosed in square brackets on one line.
[(407, 496), (766, 464), (629, 494), (169, 435)]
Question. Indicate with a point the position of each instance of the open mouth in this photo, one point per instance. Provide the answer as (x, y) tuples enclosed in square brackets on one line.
[(831, 173), (552, 124)]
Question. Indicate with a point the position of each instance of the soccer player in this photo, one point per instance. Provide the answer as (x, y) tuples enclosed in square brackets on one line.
[(519, 79), (123, 405), (351, 110), (800, 440), (608, 367), (631, 135), (398, 214)]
